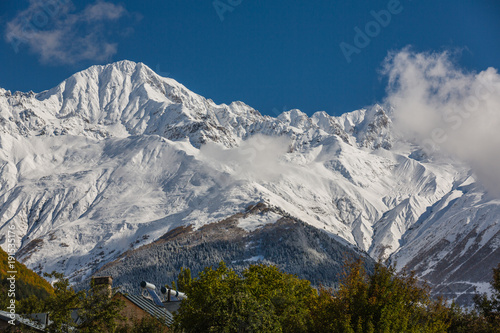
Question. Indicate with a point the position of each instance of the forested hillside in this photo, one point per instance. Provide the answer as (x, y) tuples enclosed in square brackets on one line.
[(290, 244), (27, 282)]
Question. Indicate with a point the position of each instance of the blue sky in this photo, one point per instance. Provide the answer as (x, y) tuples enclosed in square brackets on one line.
[(271, 54)]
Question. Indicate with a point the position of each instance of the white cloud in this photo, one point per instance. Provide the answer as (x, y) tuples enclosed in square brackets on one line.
[(257, 158), (102, 11), (54, 31), (448, 110)]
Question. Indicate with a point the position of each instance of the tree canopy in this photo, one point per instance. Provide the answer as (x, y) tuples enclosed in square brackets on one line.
[(264, 299), (384, 301)]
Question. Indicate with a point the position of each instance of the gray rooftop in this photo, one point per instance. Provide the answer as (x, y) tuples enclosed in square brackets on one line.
[(23, 320), (150, 307)]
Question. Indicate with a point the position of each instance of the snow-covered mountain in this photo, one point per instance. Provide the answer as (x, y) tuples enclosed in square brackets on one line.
[(116, 156)]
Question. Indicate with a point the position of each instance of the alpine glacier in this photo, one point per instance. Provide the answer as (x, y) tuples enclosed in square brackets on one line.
[(115, 157)]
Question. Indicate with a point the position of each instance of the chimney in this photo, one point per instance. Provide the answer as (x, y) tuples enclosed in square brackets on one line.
[(103, 281)]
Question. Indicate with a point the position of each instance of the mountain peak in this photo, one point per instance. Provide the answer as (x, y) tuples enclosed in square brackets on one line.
[(122, 65), (127, 98)]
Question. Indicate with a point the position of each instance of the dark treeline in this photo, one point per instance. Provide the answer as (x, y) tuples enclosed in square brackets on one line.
[(289, 244)]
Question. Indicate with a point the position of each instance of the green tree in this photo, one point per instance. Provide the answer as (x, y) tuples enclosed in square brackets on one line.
[(288, 295), (488, 307), (183, 280), (465, 321), (321, 309), (222, 301), (384, 301), (61, 304), (96, 310), (31, 304), (4, 301), (99, 311)]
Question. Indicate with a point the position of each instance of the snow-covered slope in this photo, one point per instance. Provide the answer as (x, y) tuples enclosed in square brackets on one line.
[(116, 156), (456, 243)]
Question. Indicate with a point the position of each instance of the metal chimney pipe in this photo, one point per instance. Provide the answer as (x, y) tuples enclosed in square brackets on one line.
[(147, 285), (173, 293)]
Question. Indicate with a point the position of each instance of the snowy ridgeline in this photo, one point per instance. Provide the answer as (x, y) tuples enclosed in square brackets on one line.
[(116, 156)]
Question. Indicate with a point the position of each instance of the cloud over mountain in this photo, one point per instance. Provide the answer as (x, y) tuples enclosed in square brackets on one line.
[(257, 158), (447, 109)]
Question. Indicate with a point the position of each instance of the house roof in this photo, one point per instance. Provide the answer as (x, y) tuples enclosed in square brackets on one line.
[(172, 306), (25, 321), (150, 307)]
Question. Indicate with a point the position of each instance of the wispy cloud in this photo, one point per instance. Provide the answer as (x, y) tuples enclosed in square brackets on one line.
[(57, 33), (258, 158), (448, 109)]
